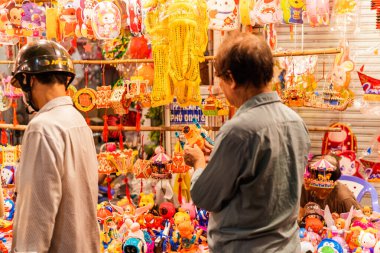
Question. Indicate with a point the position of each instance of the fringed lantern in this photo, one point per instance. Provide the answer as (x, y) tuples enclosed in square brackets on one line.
[(103, 99), (142, 169), (177, 165)]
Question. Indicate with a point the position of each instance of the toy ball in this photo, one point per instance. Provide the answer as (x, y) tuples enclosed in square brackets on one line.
[(167, 210), (302, 233), (138, 48)]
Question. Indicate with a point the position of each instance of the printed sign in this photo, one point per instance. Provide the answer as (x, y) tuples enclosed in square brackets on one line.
[(184, 115)]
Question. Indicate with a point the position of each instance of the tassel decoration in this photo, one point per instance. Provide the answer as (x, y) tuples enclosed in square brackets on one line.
[(109, 194)]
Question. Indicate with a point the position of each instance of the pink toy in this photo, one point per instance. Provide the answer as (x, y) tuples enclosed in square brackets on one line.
[(190, 209)]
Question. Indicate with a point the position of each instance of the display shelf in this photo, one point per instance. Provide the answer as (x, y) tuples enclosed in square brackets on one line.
[(157, 128), (322, 51)]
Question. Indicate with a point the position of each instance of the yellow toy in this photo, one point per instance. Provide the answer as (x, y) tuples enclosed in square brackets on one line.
[(193, 136), (185, 233), (146, 200), (293, 11)]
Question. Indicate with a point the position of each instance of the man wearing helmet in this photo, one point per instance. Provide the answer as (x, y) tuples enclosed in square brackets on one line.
[(56, 180)]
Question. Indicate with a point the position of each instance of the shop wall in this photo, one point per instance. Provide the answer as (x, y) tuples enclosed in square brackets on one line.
[(364, 39)]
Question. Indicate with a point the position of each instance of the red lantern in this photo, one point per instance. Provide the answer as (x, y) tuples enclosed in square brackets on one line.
[(138, 48)]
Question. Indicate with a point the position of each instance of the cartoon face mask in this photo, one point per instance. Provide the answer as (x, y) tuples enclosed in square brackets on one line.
[(7, 174), (223, 15)]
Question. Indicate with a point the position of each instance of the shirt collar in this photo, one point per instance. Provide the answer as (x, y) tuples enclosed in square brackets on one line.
[(55, 102), (260, 99)]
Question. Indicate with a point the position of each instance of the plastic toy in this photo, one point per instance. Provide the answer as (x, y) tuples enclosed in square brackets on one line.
[(188, 207), (338, 142), (348, 163), (367, 241), (193, 136), (167, 211), (146, 200), (185, 233), (9, 209), (7, 175), (329, 245)]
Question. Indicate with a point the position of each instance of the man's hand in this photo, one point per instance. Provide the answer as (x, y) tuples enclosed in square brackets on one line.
[(207, 149), (194, 157)]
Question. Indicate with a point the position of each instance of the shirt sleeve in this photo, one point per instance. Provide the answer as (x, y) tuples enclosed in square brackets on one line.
[(39, 192), (213, 187)]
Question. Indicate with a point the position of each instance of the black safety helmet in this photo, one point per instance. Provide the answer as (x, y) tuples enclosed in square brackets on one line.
[(41, 57)]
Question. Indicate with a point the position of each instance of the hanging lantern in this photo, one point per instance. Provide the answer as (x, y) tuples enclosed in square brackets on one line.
[(158, 164)]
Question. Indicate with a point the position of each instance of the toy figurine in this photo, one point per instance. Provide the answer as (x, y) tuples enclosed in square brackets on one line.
[(193, 136), (185, 234), (9, 209), (367, 241)]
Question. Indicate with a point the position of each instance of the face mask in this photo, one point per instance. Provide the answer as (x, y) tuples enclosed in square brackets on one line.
[(29, 105)]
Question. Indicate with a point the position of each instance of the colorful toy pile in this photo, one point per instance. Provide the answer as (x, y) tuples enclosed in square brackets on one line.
[(154, 221), (356, 231)]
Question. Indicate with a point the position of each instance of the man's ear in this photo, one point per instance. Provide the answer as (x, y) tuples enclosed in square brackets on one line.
[(232, 82)]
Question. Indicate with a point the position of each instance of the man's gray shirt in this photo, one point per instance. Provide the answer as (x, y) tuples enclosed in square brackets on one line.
[(252, 183)]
